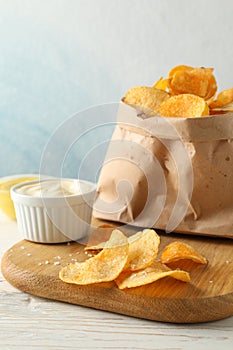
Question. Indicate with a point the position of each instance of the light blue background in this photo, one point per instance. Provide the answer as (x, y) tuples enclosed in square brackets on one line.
[(58, 57)]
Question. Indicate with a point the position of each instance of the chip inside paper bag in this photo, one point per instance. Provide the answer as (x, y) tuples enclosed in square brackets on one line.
[(174, 174)]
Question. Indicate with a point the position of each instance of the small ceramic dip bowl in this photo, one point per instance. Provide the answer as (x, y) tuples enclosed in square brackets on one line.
[(54, 210)]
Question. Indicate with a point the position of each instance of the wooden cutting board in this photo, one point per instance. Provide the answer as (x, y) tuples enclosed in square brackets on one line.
[(33, 268)]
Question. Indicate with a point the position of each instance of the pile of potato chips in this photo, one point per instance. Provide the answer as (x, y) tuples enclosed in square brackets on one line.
[(130, 261), (187, 92)]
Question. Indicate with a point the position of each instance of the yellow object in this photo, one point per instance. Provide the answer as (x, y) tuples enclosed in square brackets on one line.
[(143, 249), (196, 81), (6, 204), (181, 80), (103, 267), (161, 84), (224, 98), (177, 250), (146, 99), (185, 106)]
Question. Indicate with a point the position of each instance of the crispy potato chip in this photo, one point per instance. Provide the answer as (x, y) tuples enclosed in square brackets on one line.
[(117, 239), (103, 231), (178, 251), (217, 112), (224, 98), (103, 267), (98, 246), (196, 81), (222, 110), (184, 105), (212, 89), (143, 249), (178, 68), (184, 83), (152, 273), (161, 84), (146, 99)]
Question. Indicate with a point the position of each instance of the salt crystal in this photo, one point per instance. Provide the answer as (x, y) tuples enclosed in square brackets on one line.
[(39, 264), (22, 247), (227, 261), (70, 254), (56, 263), (29, 254), (68, 243), (46, 262), (211, 281)]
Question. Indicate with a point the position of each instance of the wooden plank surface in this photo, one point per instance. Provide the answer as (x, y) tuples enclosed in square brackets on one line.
[(29, 322), (34, 268)]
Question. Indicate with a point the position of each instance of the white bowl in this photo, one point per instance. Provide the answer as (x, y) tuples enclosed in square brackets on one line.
[(48, 218)]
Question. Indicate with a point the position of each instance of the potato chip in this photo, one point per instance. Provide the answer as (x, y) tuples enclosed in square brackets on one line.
[(143, 249), (152, 273), (161, 84), (98, 246), (196, 81), (103, 267), (184, 105), (103, 231), (217, 112), (211, 89), (179, 251), (184, 83), (181, 67), (224, 98), (222, 110), (146, 99)]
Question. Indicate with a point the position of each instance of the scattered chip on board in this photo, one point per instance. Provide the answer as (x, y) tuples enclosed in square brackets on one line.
[(177, 250), (103, 267), (143, 249), (152, 273)]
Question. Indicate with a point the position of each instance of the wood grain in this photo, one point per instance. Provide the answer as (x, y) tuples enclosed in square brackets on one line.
[(33, 268)]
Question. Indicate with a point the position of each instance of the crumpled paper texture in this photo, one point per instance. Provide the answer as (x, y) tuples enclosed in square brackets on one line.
[(173, 174)]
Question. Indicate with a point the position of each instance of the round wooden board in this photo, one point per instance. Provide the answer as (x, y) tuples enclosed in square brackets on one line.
[(34, 268)]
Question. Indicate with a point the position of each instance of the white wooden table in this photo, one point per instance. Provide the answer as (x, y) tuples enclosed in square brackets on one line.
[(28, 322)]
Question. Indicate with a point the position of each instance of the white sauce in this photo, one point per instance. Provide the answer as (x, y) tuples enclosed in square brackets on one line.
[(53, 188)]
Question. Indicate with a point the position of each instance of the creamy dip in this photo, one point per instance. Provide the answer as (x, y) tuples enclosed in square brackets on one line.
[(51, 188)]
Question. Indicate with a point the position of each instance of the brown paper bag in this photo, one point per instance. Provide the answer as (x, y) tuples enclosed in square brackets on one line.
[(173, 174)]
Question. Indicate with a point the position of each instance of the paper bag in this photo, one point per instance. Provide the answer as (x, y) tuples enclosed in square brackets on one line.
[(174, 174)]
